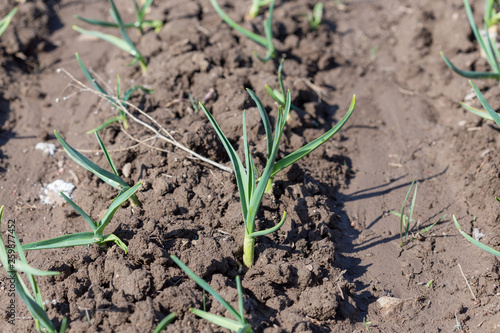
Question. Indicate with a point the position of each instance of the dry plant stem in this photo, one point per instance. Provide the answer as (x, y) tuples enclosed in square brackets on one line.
[(167, 137), (466, 281)]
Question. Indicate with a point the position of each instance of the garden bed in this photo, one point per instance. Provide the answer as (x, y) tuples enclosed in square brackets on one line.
[(339, 249)]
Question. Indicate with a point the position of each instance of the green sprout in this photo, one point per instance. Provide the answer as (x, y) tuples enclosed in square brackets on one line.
[(266, 42), (5, 22), (112, 179), (474, 241), (123, 43), (406, 220), (122, 116), (486, 43), (367, 324), (14, 267), (194, 102), (490, 114), (316, 16), (429, 284), (279, 95), (140, 23), (85, 238), (165, 321), (458, 326), (255, 8), (239, 325), (251, 187), (96, 236)]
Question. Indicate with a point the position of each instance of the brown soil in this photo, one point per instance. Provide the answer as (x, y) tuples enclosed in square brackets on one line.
[(339, 251)]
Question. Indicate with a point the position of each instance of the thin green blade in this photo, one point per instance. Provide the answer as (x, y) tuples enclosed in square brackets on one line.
[(280, 80), (78, 239), (239, 169), (94, 82), (116, 41), (115, 205), (270, 230), (478, 36), (256, 38), (230, 324), (265, 120), (206, 287), (118, 241), (165, 321), (84, 162), (240, 296), (80, 211), (469, 74), (428, 228), (308, 148), (106, 153), (412, 208), (105, 124), (130, 91), (5, 22), (318, 12), (399, 215), (116, 16), (485, 104), (21, 266), (259, 191), (36, 311), (480, 113), (97, 22), (249, 163), (474, 241)]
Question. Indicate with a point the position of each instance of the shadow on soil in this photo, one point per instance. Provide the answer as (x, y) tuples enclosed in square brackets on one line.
[(345, 246), (5, 135)]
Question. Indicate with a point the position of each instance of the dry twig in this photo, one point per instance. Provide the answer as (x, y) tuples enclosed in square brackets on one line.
[(159, 131)]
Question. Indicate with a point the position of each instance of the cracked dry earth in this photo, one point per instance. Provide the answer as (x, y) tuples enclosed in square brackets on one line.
[(339, 250)]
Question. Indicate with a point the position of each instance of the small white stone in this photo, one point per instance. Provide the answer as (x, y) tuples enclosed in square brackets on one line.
[(126, 170), (50, 193), (47, 148), (477, 234)]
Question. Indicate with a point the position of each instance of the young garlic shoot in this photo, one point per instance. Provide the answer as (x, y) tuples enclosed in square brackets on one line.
[(277, 96), (406, 220), (122, 116), (486, 43), (255, 8), (472, 240), (109, 178), (5, 22), (266, 41), (165, 321), (96, 236), (251, 187), (124, 43), (14, 267), (239, 325), (140, 23), (316, 16), (490, 114)]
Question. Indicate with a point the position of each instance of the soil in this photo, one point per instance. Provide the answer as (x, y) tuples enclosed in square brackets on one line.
[(339, 249)]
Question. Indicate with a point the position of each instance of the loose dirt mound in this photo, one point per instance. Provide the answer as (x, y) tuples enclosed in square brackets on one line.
[(339, 250)]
